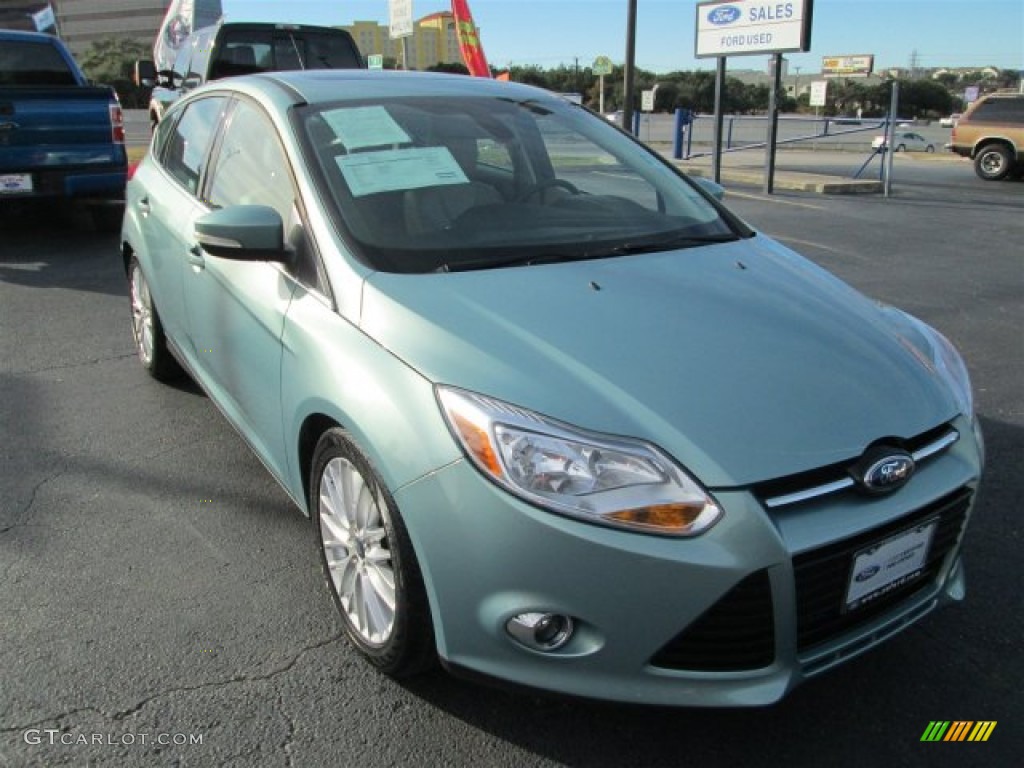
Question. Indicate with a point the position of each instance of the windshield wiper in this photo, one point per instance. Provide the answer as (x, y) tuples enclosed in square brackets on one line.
[(555, 257)]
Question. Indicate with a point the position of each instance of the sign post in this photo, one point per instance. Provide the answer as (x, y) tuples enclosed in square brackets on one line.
[(400, 25), (602, 66), (745, 27)]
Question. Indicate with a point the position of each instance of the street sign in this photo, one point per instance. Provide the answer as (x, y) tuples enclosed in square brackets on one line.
[(647, 101), (819, 90), (971, 94), (742, 27), (602, 66), (375, 61), (400, 18)]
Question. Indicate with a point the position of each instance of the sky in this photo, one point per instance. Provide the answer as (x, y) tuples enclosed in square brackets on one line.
[(900, 33)]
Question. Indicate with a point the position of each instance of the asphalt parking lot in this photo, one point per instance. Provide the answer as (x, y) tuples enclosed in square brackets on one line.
[(156, 582)]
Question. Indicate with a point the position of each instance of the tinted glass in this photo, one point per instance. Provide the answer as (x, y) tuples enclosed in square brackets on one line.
[(462, 183), (1000, 110), (33, 64), (189, 142), (244, 52)]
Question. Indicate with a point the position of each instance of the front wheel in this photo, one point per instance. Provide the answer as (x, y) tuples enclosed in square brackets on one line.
[(368, 559), (929, 148), (993, 162)]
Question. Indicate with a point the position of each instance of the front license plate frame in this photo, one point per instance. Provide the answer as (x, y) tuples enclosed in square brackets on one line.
[(889, 564), (16, 184)]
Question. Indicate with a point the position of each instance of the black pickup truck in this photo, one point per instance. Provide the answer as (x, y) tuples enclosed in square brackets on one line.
[(60, 137), (244, 48)]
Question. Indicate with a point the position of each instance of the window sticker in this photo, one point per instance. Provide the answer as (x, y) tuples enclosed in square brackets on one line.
[(367, 173), (361, 127)]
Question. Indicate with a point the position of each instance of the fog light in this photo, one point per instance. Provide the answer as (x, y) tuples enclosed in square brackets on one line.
[(541, 631)]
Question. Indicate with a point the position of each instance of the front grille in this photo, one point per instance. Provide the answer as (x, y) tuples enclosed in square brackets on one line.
[(736, 633), (822, 575), (835, 478)]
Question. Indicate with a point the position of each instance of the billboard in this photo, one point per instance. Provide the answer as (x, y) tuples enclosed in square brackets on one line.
[(753, 26), (859, 65)]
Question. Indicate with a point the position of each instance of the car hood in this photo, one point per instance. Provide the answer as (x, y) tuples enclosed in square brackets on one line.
[(743, 360)]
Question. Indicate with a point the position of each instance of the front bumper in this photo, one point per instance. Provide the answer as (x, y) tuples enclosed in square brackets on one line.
[(719, 620)]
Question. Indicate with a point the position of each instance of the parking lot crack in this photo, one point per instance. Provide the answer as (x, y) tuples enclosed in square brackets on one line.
[(71, 366), (25, 514), (290, 736)]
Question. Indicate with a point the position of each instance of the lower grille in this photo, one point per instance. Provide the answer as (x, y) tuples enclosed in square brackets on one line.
[(736, 633), (822, 575)]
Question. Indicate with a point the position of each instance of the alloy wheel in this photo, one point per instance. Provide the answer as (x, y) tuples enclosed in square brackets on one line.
[(354, 538)]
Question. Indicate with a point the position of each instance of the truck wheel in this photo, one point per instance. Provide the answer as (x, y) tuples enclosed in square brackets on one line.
[(992, 162)]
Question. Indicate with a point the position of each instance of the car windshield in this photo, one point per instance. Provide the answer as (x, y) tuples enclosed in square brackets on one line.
[(454, 183)]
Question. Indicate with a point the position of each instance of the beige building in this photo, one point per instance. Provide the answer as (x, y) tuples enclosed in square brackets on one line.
[(433, 41), (83, 22)]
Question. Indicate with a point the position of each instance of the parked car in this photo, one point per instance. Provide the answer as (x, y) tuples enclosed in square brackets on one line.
[(991, 132), (61, 138), (571, 425), (244, 48), (905, 141), (949, 122)]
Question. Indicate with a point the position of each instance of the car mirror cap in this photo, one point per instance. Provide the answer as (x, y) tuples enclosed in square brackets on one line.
[(242, 233)]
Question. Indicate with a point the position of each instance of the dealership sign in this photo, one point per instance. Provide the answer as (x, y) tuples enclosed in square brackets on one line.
[(847, 66), (753, 26)]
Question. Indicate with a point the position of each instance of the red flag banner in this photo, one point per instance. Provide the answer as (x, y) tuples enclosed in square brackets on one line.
[(469, 40)]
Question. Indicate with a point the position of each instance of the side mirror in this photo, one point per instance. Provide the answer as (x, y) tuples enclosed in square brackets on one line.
[(165, 78), (242, 233), (717, 191), (145, 73)]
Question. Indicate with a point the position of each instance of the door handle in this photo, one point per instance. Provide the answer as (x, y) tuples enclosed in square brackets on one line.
[(143, 206), (195, 258)]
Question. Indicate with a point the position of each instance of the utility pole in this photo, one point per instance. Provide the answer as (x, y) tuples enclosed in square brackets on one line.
[(627, 69)]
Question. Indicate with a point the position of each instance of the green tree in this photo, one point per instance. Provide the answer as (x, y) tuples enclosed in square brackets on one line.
[(111, 61)]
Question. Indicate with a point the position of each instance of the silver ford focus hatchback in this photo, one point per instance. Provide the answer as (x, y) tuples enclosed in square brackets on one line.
[(557, 416)]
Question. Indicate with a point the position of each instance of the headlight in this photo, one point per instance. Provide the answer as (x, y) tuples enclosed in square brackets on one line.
[(943, 358), (599, 478)]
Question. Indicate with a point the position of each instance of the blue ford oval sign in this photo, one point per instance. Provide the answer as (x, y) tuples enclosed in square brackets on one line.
[(727, 14), (867, 573), (888, 472)]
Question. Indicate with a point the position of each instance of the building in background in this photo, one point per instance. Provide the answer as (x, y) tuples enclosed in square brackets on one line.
[(82, 22), (433, 41)]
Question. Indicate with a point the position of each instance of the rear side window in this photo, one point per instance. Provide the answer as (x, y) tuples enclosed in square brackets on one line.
[(33, 64), (243, 52), (999, 110), (188, 145)]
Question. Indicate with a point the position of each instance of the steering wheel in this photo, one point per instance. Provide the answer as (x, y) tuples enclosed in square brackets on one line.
[(540, 187)]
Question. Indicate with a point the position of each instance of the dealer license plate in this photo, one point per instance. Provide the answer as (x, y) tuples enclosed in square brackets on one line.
[(15, 183), (889, 564)]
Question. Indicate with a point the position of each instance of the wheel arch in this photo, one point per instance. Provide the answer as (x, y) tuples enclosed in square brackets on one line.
[(988, 141)]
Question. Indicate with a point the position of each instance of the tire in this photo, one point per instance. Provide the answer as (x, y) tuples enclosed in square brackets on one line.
[(930, 149), (368, 560), (106, 219), (147, 330), (993, 162), (901, 148)]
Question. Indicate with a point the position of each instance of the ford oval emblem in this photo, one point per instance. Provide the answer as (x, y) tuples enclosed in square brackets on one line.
[(723, 15), (867, 573), (884, 469)]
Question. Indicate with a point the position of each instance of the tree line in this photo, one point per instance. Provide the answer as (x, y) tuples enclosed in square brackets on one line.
[(111, 61)]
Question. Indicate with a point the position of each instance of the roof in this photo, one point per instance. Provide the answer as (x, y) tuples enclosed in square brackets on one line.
[(321, 86)]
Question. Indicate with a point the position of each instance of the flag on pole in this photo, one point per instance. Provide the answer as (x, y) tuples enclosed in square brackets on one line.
[(182, 18), (469, 40), (44, 19)]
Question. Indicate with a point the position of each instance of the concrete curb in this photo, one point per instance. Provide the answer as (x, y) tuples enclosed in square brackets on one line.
[(792, 180)]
